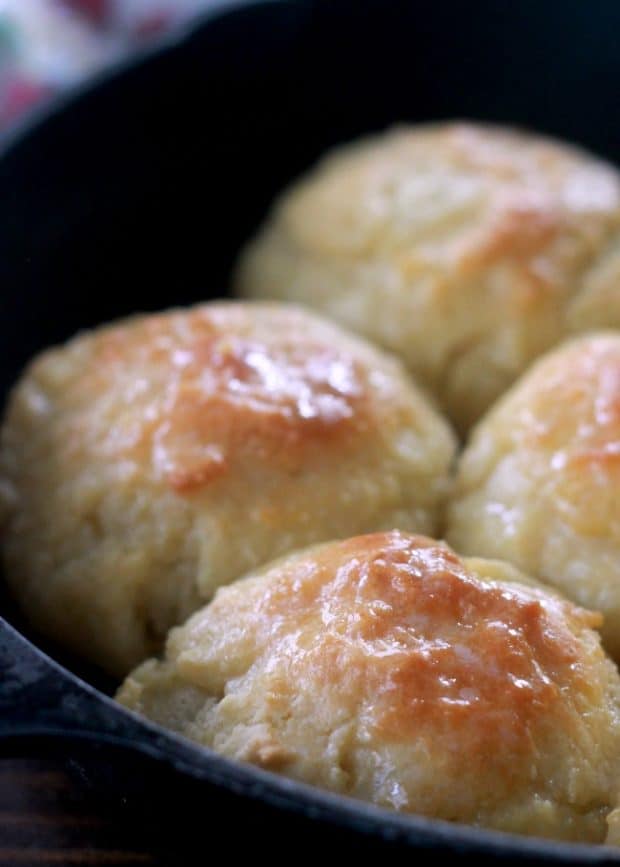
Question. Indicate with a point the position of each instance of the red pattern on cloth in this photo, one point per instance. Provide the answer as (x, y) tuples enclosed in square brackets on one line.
[(96, 10), (48, 45), (18, 95)]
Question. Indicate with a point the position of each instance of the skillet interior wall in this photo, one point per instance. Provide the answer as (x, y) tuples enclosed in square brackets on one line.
[(138, 194)]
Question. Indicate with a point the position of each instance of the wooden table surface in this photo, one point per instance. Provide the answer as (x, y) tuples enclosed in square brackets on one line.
[(46, 817)]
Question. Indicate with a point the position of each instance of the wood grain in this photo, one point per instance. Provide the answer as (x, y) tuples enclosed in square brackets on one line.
[(47, 818)]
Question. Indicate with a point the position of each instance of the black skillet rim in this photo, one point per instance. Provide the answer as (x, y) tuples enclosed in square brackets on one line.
[(202, 763)]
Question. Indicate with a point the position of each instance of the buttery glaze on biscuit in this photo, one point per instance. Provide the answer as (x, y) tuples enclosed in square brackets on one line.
[(467, 250), (538, 483), (146, 463), (387, 668), (224, 392)]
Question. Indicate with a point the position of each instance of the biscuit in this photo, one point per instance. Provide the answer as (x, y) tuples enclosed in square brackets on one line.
[(538, 484), (467, 250), (146, 463), (386, 668)]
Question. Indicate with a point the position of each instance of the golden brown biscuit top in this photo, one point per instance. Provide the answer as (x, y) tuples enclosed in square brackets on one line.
[(472, 194), (410, 639), (567, 412), (572, 398), (192, 390), (228, 389)]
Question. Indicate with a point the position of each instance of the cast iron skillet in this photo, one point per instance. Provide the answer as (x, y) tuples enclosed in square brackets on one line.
[(136, 193)]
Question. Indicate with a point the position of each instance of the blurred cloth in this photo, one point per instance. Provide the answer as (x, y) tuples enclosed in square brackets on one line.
[(49, 45)]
